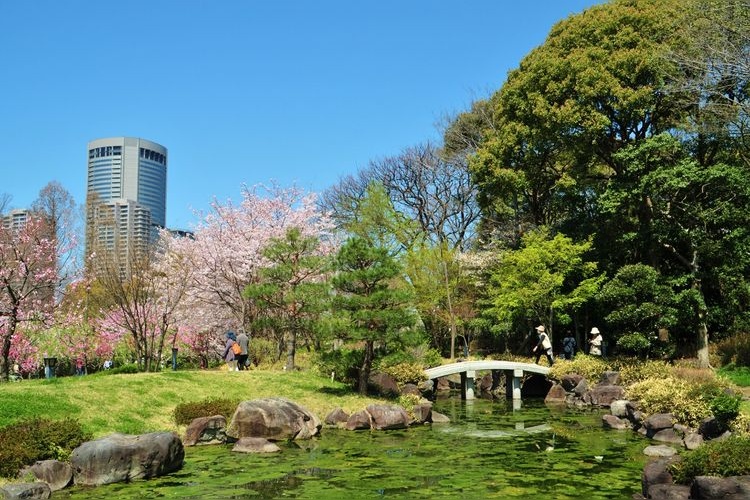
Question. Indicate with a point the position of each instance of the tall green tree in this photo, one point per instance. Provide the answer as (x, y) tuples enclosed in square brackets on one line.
[(369, 295), (545, 281), (292, 291)]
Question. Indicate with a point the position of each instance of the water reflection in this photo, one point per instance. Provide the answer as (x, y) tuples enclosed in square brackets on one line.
[(487, 451)]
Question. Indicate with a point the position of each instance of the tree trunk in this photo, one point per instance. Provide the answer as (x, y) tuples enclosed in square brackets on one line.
[(291, 347), (364, 372)]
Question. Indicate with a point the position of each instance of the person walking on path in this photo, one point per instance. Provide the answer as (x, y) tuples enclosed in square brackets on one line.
[(595, 342), (228, 355), (244, 341), (569, 346), (544, 346)]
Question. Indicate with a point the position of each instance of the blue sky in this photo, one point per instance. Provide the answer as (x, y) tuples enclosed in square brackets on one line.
[(245, 92)]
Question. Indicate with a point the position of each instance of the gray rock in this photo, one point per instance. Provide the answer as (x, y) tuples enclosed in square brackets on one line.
[(692, 440), (439, 418), (570, 380), (485, 383), (123, 457), (655, 472), (384, 384), (603, 395), (667, 436), (337, 417), (26, 491), (658, 421), (709, 428), (442, 384), (359, 420), (255, 445), (206, 430), (613, 422), (556, 394), (659, 450), (385, 417), (56, 474), (273, 418), (411, 389), (619, 408), (581, 388), (610, 378), (669, 492), (422, 413), (727, 488)]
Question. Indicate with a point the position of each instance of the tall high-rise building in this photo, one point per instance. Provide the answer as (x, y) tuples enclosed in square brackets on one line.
[(126, 194)]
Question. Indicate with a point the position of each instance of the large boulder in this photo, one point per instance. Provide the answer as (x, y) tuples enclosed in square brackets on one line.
[(610, 378), (422, 412), (656, 472), (728, 488), (556, 394), (359, 420), (657, 422), (604, 395), (56, 474), (337, 416), (206, 430), (710, 428), (613, 422), (385, 417), (123, 457), (276, 419), (570, 380), (26, 491), (669, 492), (384, 384)]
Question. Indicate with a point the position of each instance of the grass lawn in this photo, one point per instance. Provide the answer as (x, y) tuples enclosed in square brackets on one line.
[(739, 375), (143, 402)]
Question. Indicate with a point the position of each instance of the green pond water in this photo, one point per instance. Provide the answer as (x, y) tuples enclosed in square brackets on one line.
[(487, 451)]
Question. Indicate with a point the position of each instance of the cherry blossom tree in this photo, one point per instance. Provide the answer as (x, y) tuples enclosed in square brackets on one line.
[(28, 278), (226, 254)]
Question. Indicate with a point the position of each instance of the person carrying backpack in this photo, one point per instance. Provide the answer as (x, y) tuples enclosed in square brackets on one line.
[(569, 346), (229, 349)]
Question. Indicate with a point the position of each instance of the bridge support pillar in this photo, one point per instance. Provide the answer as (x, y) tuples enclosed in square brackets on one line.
[(513, 384), (467, 384)]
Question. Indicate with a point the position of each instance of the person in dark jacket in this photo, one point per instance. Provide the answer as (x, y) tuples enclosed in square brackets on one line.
[(569, 346)]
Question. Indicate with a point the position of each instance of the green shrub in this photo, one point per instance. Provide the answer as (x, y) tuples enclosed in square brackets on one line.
[(25, 442), (343, 363), (725, 408), (679, 397), (262, 351), (405, 373), (735, 349), (724, 458), (128, 368), (637, 371), (589, 367), (185, 413), (633, 343)]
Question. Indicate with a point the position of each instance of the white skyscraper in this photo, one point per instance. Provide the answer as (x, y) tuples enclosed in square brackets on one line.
[(126, 193)]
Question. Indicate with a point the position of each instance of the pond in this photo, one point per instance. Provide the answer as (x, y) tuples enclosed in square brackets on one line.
[(487, 451)]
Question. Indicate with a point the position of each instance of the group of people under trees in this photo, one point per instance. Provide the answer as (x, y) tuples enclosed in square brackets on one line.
[(236, 353), (569, 345)]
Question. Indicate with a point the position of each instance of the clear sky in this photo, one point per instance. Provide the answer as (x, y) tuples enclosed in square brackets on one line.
[(245, 91)]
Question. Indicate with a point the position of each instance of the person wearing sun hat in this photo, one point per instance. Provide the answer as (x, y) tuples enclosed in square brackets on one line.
[(544, 346), (595, 342)]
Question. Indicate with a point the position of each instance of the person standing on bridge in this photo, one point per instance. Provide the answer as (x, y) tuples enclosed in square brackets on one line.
[(543, 346)]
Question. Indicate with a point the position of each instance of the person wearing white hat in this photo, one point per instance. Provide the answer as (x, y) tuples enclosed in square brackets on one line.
[(595, 342), (544, 346)]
